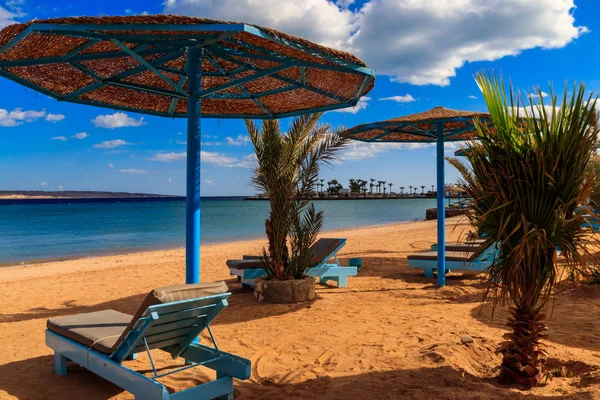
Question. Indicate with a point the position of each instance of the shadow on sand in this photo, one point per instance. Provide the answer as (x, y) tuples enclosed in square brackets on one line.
[(247, 308), (443, 382)]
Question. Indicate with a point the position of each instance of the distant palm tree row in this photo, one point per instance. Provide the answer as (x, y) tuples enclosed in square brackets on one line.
[(361, 186)]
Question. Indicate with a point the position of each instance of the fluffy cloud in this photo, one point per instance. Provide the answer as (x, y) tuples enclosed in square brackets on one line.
[(54, 117), (361, 105), (117, 120), (111, 165), (132, 171), (17, 116), (8, 17), (418, 42), (59, 138), (209, 157), (361, 150), (44, 183), (241, 140), (407, 98), (472, 97), (209, 182), (80, 135), (60, 187), (111, 144), (318, 20)]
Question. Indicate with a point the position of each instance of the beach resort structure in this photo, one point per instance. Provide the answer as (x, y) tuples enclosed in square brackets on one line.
[(176, 67), (438, 125)]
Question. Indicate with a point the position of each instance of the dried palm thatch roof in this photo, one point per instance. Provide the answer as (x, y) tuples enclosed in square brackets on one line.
[(138, 63), (420, 127)]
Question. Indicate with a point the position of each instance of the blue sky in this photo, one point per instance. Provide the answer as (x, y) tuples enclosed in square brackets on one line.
[(425, 54)]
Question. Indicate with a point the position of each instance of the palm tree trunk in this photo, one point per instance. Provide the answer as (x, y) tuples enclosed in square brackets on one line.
[(523, 358)]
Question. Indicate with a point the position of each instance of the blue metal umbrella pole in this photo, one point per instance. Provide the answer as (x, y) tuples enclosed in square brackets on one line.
[(441, 212), (192, 203)]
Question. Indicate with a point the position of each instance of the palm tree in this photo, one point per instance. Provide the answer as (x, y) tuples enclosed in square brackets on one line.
[(423, 189), (371, 185), (432, 188), (390, 185), (410, 189), (288, 171), (322, 180), (526, 178), (383, 184)]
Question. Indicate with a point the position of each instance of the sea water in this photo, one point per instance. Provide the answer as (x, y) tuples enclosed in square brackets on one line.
[(55, 231)]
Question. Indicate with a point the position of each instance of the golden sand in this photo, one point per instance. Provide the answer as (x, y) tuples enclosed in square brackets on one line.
[(390, 334)]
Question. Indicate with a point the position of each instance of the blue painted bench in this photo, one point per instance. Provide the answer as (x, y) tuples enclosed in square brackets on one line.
[(172, 326), (250, 267)]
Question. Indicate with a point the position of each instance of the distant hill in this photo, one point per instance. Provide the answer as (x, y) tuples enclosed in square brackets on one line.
[(75, 194)]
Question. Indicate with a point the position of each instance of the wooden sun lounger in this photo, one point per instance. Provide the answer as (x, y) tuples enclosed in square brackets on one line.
[(465, 260), (169, 319), (324, 249), (471, 246)]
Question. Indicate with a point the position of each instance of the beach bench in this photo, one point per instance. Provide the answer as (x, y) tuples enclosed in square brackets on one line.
[(170, 319), (250, 267), (468, 246), (477, 260)]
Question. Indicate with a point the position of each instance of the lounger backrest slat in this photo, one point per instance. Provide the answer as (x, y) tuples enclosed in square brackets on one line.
[(326, 248), (172, 324)]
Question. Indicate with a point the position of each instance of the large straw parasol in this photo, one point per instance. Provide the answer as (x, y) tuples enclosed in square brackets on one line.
[(438, 125), (177, 66)]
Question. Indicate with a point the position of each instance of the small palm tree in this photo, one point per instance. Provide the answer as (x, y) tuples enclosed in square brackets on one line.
[(390, 185), (372, 184), (526, 178), (322, 180), (401, 190), (410, 189), (423, 189), (287, 171), (432, 188)]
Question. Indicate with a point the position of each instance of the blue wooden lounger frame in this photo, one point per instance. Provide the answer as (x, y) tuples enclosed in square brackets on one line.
[(479, 263), (325, 272), (171, 327)]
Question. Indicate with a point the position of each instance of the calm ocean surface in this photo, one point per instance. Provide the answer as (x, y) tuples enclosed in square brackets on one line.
[(48, 231)]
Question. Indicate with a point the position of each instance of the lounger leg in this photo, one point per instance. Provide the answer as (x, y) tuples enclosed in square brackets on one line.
[(228, 396), (342, 281), (428, 273), (60, 364), (132, 357)]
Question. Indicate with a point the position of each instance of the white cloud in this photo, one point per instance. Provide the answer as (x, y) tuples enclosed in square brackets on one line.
[(132, 171), (361, 105), (117, 120), (43, 183), (181, 142), (209, 182), (60, 187), (8, 17), (170, 180), (168, 157), (472, 97), (111, 165), (418, 42), (318, 20), (54, 117), (59, 138), (360, 150), (407, 98), (535, 95), (241, 140), (17, 116), (208, 157), (180, 133), (111, 144), (80, 135)]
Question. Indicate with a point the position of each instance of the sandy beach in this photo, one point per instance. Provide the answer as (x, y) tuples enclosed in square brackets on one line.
[(390, 334)]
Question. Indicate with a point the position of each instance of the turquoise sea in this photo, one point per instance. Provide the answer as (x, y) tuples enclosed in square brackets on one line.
[(55, 231)]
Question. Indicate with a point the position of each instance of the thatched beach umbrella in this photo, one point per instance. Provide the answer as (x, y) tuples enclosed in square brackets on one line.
[(438, 125), (181, 67)]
